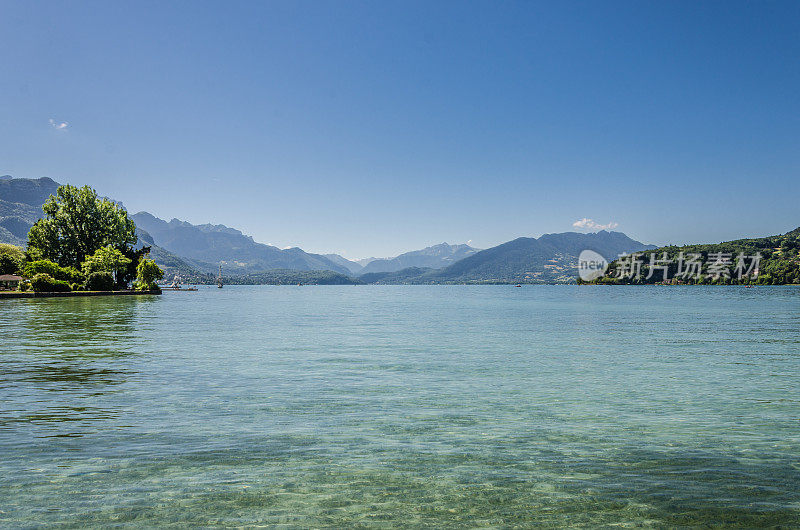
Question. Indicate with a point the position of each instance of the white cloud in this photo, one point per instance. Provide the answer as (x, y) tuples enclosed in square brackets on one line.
[(589, 224), (59, 125)]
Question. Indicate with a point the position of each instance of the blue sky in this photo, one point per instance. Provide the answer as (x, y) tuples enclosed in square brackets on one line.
[(374, 128)]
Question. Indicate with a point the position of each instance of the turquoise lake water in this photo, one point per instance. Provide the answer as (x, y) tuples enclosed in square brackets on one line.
[(393, 406)]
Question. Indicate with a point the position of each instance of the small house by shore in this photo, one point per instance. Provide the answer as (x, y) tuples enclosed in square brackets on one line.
[(9, 282)]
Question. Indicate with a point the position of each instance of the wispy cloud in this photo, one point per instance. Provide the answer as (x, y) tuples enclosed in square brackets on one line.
[(58, 125), (589, 224)]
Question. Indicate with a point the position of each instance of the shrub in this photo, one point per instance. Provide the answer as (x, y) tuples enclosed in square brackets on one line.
[(24, 285), (44, 283), (100, 281), (43, 266)]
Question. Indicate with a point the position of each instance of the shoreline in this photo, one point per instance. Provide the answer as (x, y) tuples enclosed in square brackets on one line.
[(31, 294)]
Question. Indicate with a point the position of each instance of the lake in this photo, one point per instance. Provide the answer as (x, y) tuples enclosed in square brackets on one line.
[(403, 405)]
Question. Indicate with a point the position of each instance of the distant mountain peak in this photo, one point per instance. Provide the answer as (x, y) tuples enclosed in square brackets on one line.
[(352, 266), (433, 257)]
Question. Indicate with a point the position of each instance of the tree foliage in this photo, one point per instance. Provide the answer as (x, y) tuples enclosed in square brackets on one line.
[(67, 274), (77, 223), (127, 275), (147, 274), (106, 259), (11, 258)]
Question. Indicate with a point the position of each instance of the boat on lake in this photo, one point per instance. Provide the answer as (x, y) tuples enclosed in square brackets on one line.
[(176, 285)]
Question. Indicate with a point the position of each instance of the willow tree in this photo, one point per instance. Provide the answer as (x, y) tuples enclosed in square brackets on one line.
[(77, 223)]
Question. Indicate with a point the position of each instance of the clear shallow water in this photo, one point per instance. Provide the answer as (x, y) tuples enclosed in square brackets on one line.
[(388, 406)]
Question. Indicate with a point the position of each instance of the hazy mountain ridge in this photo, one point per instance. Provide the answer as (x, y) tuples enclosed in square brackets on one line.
[(171, 264), (433, 257), (206, 246), (353, 266), (365, 261), (552, 258)]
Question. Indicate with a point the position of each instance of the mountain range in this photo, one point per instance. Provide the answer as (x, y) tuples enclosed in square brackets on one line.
[(207, 246), (21, 203), (435, 257), (552, 258), (196, 251), (353, 266)]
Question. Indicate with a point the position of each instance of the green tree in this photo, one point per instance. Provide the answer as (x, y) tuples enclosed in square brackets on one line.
[(147, 273), (11, 258), (128, 275), (106, 259), (77, 223)]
